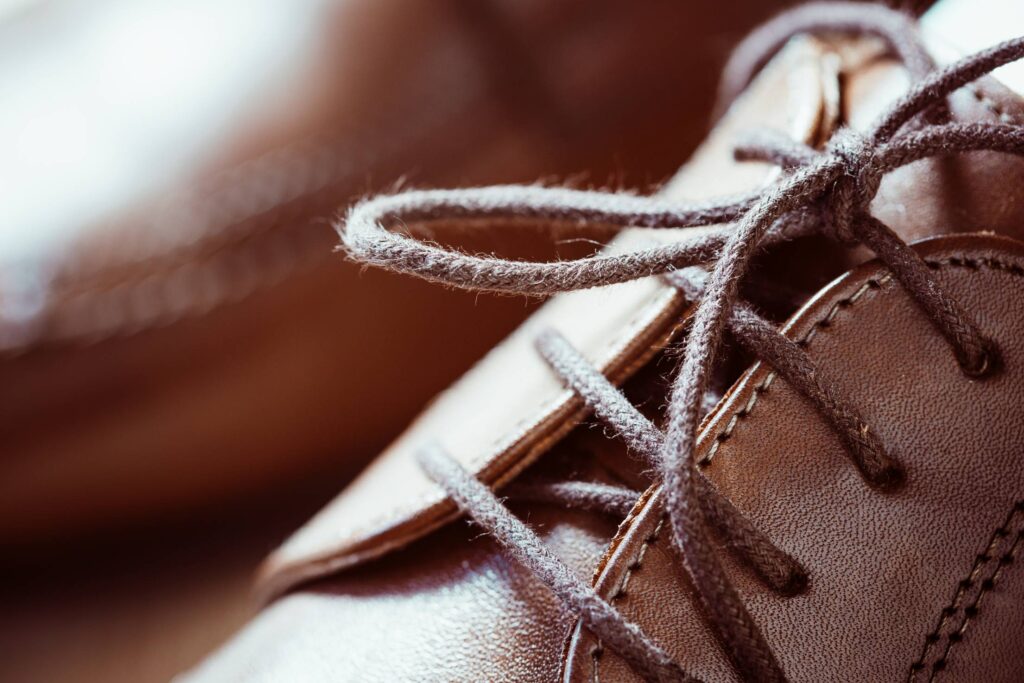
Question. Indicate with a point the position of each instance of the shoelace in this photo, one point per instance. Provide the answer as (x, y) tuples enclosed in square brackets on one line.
[(825, 191)]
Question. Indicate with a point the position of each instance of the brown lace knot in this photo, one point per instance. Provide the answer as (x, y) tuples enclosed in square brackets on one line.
[(846, 202), (849, 156)]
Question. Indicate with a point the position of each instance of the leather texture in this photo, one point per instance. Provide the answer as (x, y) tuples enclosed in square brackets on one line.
[(447, 607), (884, 568), (887, 570), (911, 549)]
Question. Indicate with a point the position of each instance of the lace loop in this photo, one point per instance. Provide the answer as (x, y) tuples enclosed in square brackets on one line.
[(646, 656), (365, 238), (826, 191), (897, 30)]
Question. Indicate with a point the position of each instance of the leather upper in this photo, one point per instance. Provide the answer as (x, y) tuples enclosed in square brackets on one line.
[(618, 328), (885, 568), (381, 585)]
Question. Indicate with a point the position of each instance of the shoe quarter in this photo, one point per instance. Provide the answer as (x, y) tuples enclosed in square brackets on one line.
[(882, 566), (983, 622)]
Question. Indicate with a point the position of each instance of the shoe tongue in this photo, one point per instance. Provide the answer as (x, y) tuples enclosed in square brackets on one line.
[(511, 408), (943, 195)]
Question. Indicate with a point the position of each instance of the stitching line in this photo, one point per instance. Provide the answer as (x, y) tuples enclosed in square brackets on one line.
[(988, 568), (964, 262), (804, 341), (991, 105), (620, 592)]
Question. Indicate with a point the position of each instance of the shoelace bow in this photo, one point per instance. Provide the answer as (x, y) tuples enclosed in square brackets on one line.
[(826, 191)]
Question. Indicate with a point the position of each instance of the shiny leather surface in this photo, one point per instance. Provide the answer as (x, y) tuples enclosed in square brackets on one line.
[(357, 606), (449, 607), (866, 551), (392, 502), (883, 567)]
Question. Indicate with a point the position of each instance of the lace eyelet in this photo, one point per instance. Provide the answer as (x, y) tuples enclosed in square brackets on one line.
[(889, 479), (797, 584), (990, 362)]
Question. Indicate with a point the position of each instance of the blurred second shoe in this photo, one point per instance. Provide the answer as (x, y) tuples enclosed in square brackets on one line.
[(204, 345)]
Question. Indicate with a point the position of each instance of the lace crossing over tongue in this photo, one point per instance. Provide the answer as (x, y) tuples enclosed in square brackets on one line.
[(509, 408)]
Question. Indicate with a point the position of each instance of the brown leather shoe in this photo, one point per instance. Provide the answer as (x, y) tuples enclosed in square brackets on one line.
[(852, 504), (201, 347)]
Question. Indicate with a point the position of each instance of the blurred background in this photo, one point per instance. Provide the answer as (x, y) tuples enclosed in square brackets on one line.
[(187, 371)]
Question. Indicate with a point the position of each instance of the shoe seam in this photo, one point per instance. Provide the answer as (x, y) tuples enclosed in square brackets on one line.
[(620, 591), (963, 609), (744, 411), (824, 322), (804, 341)]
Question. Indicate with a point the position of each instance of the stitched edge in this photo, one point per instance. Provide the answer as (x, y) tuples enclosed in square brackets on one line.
[(742, 413), (964, 262), (954, 619), (977, 264), (990, 104), (804, 341), (620, 591), (823, 323)]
